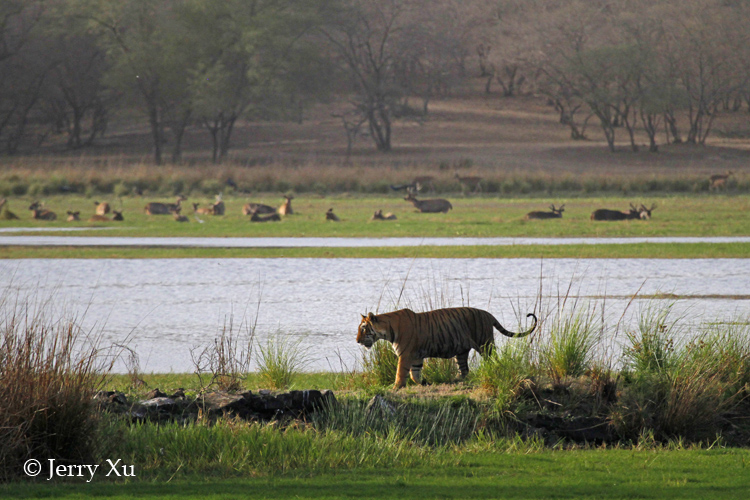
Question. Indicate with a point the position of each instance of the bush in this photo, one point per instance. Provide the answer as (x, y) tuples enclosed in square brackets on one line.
[(48, 376), (279, 361), (380, 364)]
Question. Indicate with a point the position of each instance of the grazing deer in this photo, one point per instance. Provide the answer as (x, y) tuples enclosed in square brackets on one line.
[(255, 217), (6, 214), (286, 208), (556, 213), (102, 208), (178, 217), (332, 216), (203, 211), (38, 212), (719, 181), (164, 208), (432, 206), (634, 213), (257, 208), (379, 216), (73, 216), (469, 183)]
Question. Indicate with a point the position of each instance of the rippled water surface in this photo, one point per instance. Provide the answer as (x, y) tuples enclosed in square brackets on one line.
[(167, 306)]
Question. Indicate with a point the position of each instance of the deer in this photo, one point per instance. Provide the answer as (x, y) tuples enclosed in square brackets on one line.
[(73, 216), (38, 212), (116, 216), (257, 208), (6, 214), (603, 214), (286, 208), (164, 208), (555, 213), (218, 205), (178, 217), (431, 206), (719, 181), (102, 208), (332, 216), (255, 217), (204, 211), (378, 215), (470, 182)]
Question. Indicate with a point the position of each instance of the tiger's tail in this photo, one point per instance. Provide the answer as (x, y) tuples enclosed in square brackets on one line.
[(508, 333)]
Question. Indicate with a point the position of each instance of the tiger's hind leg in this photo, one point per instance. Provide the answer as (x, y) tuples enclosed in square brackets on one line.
[(462, 360), (416, 372)]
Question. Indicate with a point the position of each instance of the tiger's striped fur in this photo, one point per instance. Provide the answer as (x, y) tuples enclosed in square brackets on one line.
[(442, 333)]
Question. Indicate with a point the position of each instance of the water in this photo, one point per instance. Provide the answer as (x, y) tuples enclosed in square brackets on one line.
[(165, 307), (335, 242)]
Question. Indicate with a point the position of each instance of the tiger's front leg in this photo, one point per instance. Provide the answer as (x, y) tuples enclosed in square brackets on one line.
[(404, 364)]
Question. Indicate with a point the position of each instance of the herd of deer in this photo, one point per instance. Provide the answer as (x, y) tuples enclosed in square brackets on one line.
[(259, 212)]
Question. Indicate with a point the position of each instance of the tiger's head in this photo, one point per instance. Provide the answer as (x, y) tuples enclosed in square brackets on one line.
[(367, 333)]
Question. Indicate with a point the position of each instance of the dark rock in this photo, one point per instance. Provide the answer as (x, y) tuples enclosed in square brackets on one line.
[(222, 402), (178, 394)]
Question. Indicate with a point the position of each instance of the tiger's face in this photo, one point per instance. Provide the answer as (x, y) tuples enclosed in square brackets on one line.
[(366, 333)]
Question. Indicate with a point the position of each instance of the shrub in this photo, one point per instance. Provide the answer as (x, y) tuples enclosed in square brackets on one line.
[(279, 361), (49, 372), (380, 363)]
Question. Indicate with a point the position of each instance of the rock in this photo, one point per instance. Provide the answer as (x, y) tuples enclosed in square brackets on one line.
[(156, 393), (383, 407), (222, 402)]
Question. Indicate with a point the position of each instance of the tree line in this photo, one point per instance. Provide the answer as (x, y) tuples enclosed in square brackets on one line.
[(67, 67)]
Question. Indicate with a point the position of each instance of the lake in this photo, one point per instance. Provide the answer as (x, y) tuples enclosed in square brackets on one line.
[(165, 307)]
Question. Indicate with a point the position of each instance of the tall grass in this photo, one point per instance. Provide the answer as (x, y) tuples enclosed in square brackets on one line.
[(505, 370), (569, 348), (49, 372), (280, 360)]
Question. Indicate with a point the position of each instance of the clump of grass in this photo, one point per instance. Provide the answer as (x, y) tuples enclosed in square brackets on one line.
[(49, 372), (280, 359), (651, 347), (439, 371), (380, 364), (505, 370), (570, 350), (225, 362)]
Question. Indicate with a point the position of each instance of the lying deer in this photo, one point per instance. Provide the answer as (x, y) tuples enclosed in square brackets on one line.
[(117, 216), (178, 217), (257, 208), (719, 181), (556, 213), (6, 214), (102, 208), (430, 206), (203, 211), (286, 208), (164, 208), (470, 182), (379, 216), (634, 213), (218, 205), (332, 216), (38, 212), (73, 216), (255, 217)]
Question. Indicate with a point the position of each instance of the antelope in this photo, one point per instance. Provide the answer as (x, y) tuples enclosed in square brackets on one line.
[(469, 182), (6, 214), (430, 206), (254, 217), (332, 216), (40, 213), (719, 181), (164, 208), (634, 213), (257, 208), (379, 216), (73, 216), (102, 208), (117, 216), (286, 208), (178, 217), (204, 211), (556, 213)]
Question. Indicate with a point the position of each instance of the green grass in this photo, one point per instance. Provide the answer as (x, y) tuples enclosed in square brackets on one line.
[(549, 474)]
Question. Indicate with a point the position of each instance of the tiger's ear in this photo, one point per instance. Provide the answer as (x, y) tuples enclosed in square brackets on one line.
[(363, 317), (370, 315)]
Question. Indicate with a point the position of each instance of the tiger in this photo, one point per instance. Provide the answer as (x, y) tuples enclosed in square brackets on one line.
[(442, 333)]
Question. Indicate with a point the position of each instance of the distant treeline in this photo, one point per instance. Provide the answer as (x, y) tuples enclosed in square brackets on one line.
[(664, 69)]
